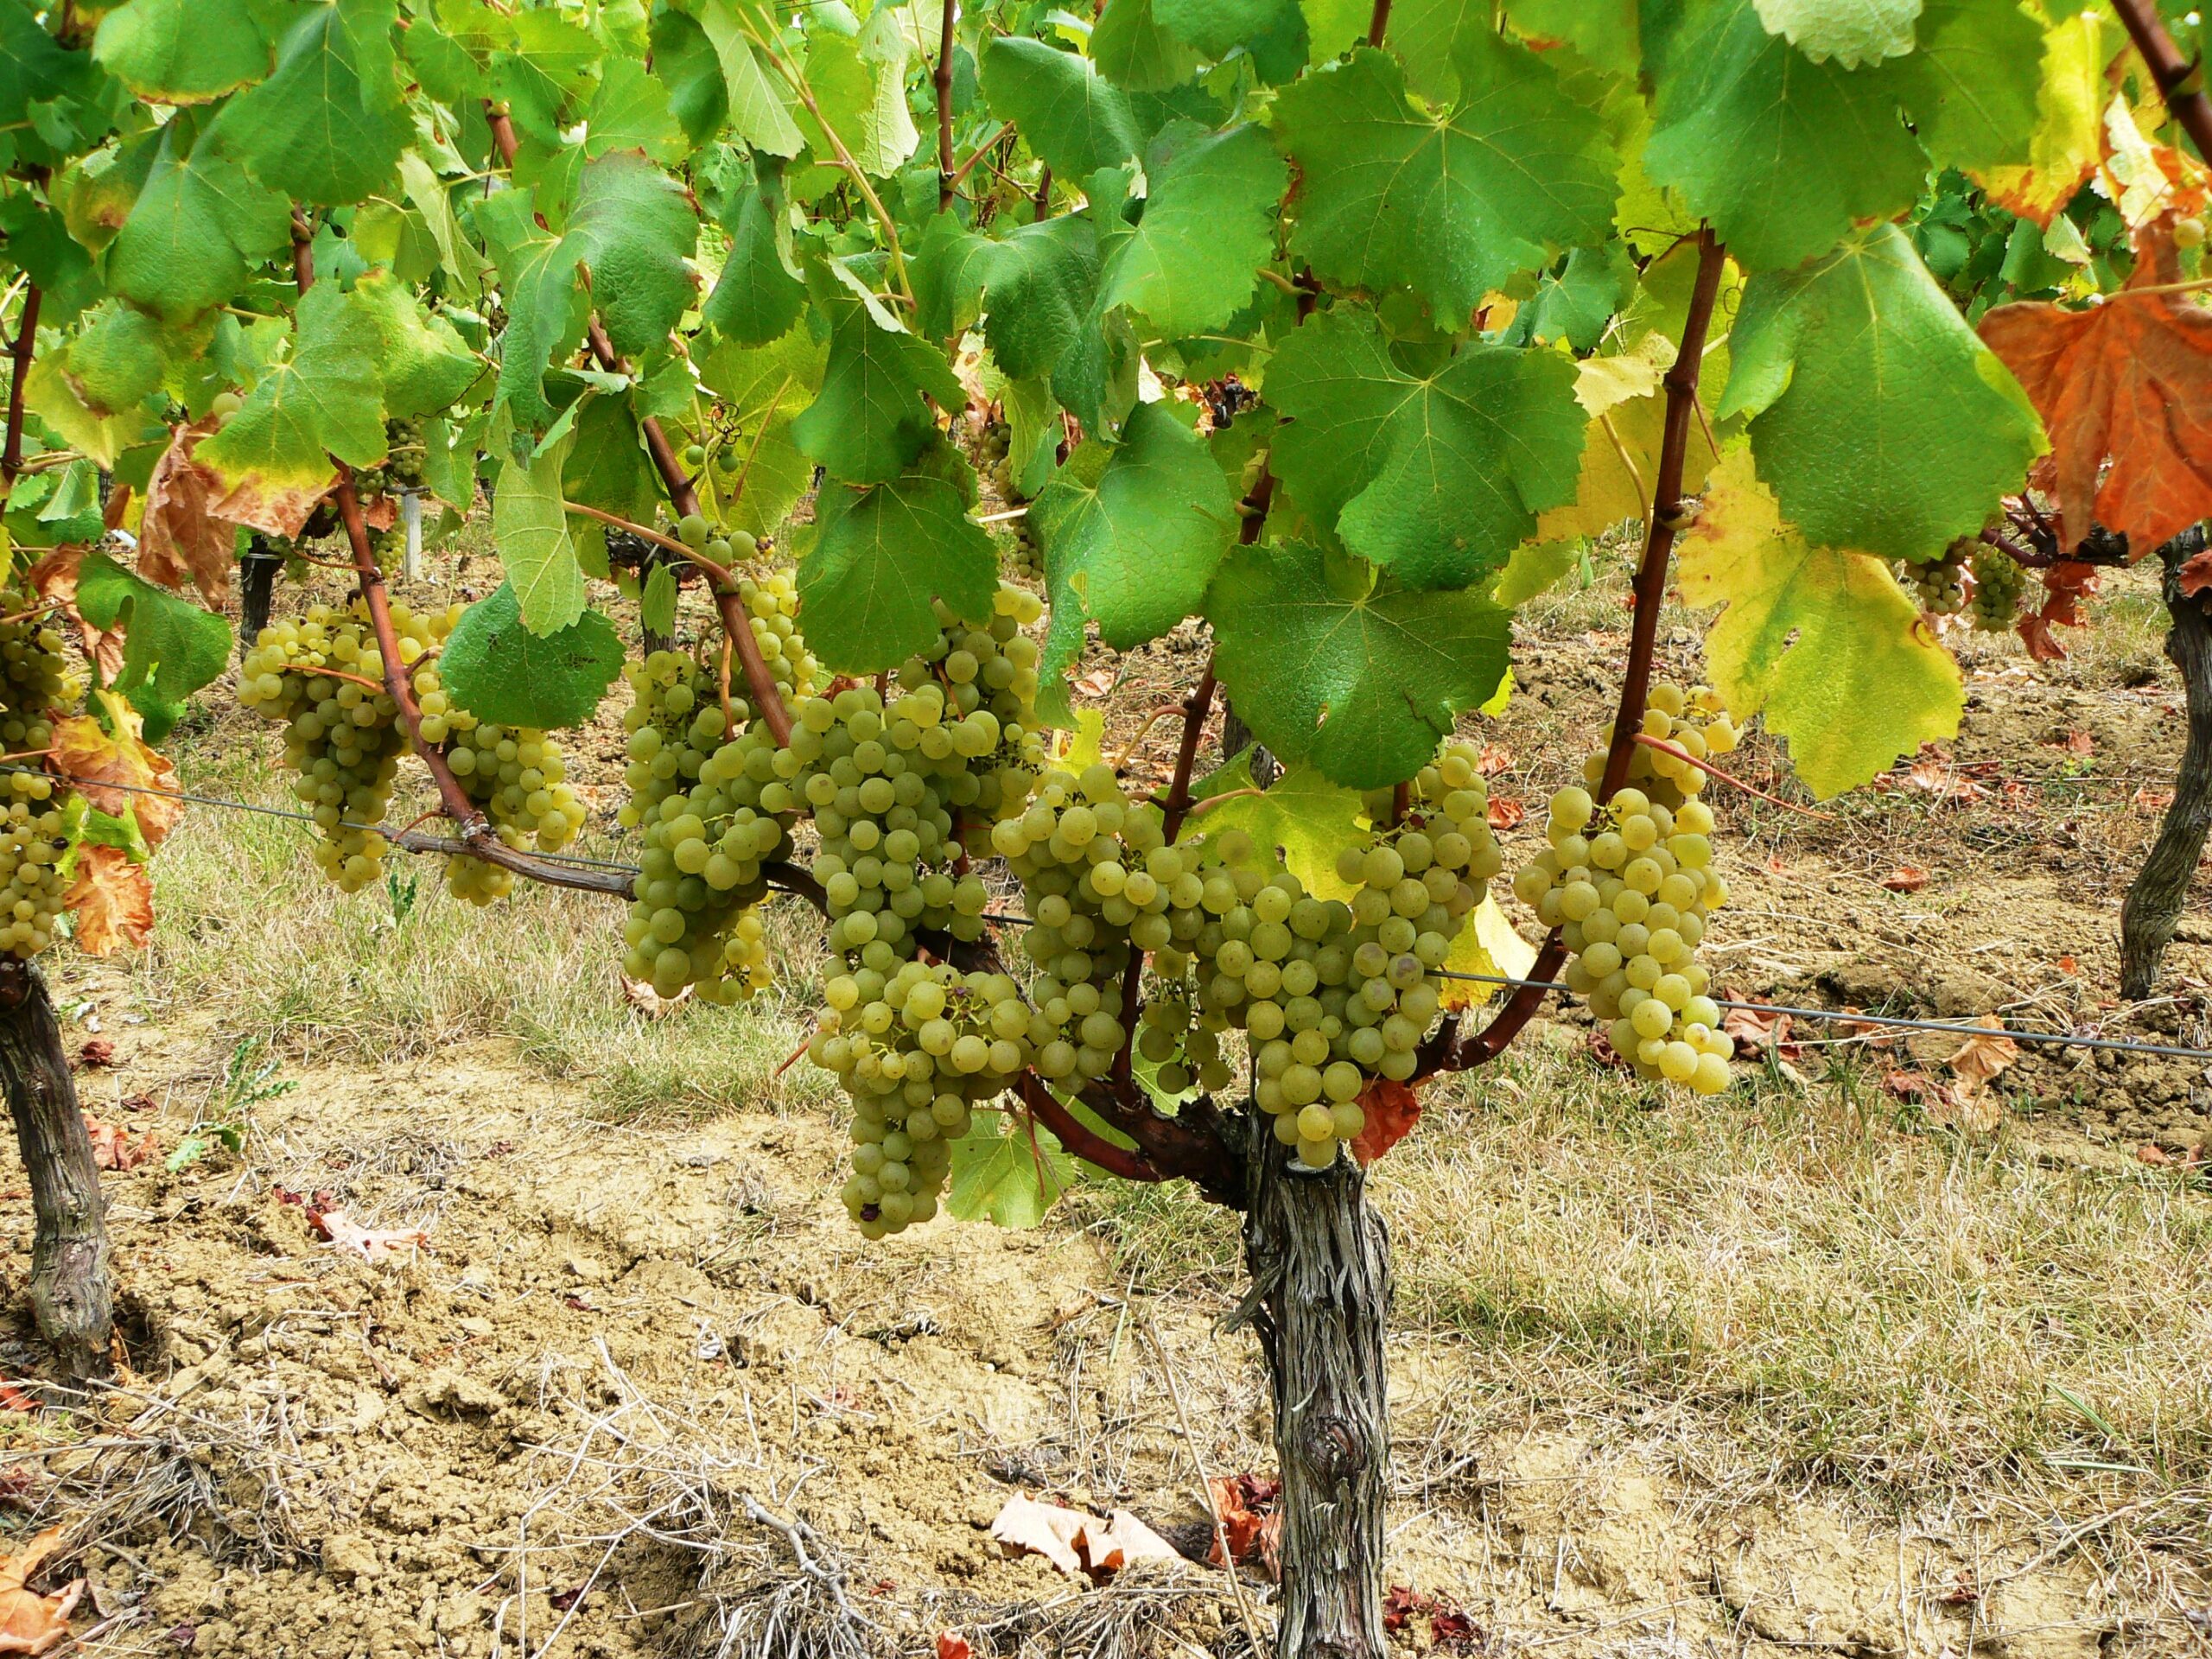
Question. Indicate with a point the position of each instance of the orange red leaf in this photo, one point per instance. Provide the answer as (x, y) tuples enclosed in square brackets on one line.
[(1392, 1109)]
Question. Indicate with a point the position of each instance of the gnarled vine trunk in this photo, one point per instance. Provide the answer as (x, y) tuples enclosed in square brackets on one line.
[(69, 1289), (2160, 890), (1320, 1265), (257, 587)]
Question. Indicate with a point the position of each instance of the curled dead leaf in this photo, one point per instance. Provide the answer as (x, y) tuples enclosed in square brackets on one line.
[(178, 538), (115, 1149), (53, 579), (1078, 1543), (113, 899), (1754, 1031), (97, 1051), (1496, 758), (1246, 1505), (370, 1243), (1392, 1109), (950, 1645), (30, 1623), (1506, 811), (1980, 1056), (112, 770), (1906, 878), (640, 995)]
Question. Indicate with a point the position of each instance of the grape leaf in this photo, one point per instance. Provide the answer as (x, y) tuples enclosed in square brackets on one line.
[(1132, 535), (767, 385), (171, 647), (36, 69), (52, 394), (1302, 815), (184, 51), (1036, 285), (1438, 476), (530, 526), (859, 85), (1133, 51), (501, 672), (683, 58), (549, 64), (757, 111), (2068, 140), (1782, 155), (1362, 685), (537, 279), (880, 557), (422, 365), (1821, 640), (1604, 31), (870, 419), (1973, 85), (463, 266), (1452, 206), (634, 228), (1877, 418), (1575, 303), (2125, 388), (1010, 1174), (759, 293), (111, 897), (328, 125), (198, 228), (657, 603), (1852, 32), (1272, 33), (1069, 115), (1193, 259), (630, 111), (272, 458)]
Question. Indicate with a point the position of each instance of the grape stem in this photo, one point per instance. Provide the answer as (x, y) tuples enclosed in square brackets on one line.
[(2172, 72), (362, 680), (11, 461), (960, 173), (947, 185), (1378, 24), (682, 495), (1084, 1142), (1730, 779), (1446, 1051)]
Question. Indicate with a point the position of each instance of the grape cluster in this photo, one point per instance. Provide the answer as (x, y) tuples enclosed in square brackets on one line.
[(36, 679), (772, 602), (342, 737), (1100, 880), (516, 774), (699, 792), (1629, 884), (916, 1050), (1999, 582), (1331, 993), (32, 843), (1938, 585), (1695, 721)]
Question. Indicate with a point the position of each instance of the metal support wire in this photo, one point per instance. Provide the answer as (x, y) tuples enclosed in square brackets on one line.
[(2052, 1039)]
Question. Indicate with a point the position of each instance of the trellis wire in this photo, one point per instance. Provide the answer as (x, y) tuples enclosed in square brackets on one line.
[(2055, 1038)]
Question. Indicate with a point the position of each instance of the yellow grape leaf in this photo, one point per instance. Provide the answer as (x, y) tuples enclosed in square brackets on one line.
[(1084, 746), (1302, 813), (1820, 639), (2068, 141), (114, 771), (1487, 945)]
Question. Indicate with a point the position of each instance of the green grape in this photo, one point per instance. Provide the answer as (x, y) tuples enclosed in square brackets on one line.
[(1999, 583), (36, 679), (1630, 884), (917, 1050), (32, 842), (1939, 585), (342, 737), (516, 774), (772, 602), (691, 530)]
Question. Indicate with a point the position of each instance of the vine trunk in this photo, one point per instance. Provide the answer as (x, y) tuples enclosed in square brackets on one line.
[(2160, 890), (256, 589), (1320, 1264), (70, 1294)]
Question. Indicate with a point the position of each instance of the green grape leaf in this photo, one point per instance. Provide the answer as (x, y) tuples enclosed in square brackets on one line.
[(422, 363), (328, 125), (1070, 115), (184, 51), (198, 229), (1362, 686), (36, 71), (463, 267), (1302, 815), (1973, 86), (530, 526), (607, 468), (757, 113), (1450, 206), (549, 64), (1535, 567), (442, 64), (1879, 418), (683, 58), (880, 557), (119, 358), (1820, 640), (1272, 32), (870, 419), (759, 293), (1133, 51), (57, 399), (171, 647), (657, 605), (634, 228), (1132, 535), (1036, 286), (1194, 258), (859, 85), (1852, 32), (1098, 379), (545, 317), (1438, 476), (766, 386), (272, 458), (1782, 155), (1604, 32), (631, 110), (1010, 1174), (1575, 303), (499, 670)]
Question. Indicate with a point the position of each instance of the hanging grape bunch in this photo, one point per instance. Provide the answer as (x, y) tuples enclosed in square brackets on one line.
[(35, 681), (699, 791), (1939, 586), (323, 676), (1629, 884), (1999, 582)]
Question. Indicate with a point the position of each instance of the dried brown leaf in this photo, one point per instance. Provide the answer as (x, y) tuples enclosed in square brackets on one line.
[(1906, 878), (113, 770), (30, 1623), (179, 539), (113, 899), (115, 1149)]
